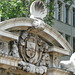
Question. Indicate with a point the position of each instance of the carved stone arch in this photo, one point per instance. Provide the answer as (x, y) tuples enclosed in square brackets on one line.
[(40, 47), (49, 34)]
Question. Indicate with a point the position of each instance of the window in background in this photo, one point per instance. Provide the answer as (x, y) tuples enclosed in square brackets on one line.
[(60, 33), (2, 19), (51, 0), (66, 14), (74, 17), (59, 10), (68, 38), (73, 44)]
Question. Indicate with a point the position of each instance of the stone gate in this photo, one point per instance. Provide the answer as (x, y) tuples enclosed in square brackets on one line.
[(28, 46)]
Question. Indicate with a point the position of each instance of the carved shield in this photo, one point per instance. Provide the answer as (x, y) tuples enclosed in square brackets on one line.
[(31, 47), (28, 48)]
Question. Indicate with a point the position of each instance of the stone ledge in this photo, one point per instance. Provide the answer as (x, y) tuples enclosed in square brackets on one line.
[(17, 71), (7, 36), (56, 71), (14, 70), (58, 50), (9, 60)]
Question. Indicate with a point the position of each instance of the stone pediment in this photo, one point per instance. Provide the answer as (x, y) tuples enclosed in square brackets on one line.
[(48, 33), (34, 42)]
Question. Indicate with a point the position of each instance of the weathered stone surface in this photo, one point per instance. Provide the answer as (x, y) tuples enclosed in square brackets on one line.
[(31, 52), (38, 10), (9, 60), (34, 50), (32, 68), (48, 33), (55, 71), (70, 64)]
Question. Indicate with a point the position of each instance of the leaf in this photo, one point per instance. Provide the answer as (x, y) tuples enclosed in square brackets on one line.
[(0, 12)]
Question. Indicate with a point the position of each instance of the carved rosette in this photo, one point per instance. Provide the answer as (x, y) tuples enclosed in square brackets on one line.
[(31, 47)]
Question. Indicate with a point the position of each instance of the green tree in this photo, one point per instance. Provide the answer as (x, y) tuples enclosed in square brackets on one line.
[(16, 8), (20, 8)]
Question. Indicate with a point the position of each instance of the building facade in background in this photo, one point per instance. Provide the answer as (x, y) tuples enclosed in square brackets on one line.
[(64, 21)]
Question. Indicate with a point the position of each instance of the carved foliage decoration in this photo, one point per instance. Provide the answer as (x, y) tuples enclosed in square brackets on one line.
[(32, 48)]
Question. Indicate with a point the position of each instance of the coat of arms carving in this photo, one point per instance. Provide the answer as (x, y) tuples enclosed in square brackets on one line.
[(31, 47)]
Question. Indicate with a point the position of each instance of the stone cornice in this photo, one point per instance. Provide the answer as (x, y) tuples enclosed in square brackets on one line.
[(49, 34)]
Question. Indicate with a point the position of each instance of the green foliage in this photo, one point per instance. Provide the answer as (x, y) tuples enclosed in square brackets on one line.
[(69, 1), (15, 8), (20, 8), (48, 19)]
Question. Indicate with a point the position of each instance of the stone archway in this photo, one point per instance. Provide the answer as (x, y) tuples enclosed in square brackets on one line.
[(33, 46), (48, 33), (48, 44)]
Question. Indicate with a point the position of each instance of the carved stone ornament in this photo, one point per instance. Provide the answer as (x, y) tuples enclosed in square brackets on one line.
[(69, 64), (15, 52), (38, 9), (32, 68), (31, 47)]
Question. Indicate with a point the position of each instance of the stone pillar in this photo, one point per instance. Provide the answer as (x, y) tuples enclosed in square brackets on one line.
[(55, 57), (6, 48)]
